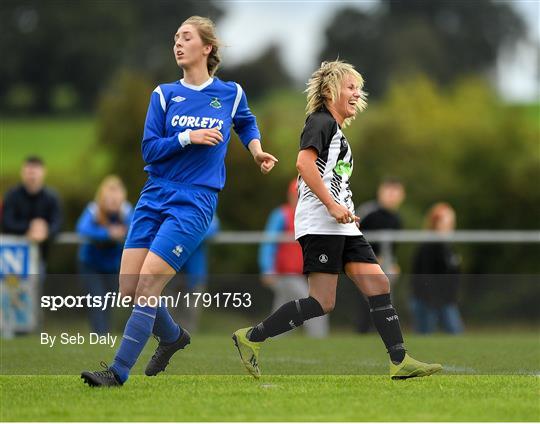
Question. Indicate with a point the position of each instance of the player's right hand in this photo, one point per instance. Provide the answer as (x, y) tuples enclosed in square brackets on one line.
[(342, 214), (208, 137)]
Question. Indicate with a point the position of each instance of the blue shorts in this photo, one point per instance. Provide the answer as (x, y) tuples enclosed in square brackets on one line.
[(171, 219)]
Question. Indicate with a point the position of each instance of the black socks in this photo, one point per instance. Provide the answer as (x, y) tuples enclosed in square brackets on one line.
[(290, 315), (387, 324), (293, 314)]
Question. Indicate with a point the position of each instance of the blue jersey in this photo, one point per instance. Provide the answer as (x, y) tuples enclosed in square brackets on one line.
[(177, 107)]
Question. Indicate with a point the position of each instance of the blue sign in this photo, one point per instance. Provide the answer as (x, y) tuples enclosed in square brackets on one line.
[(19, 286), (14, 260)]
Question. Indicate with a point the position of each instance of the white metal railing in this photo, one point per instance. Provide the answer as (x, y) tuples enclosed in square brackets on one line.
[(383, 237)]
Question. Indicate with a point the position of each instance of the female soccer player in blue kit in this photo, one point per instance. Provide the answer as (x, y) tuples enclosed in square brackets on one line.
[(186, 134)]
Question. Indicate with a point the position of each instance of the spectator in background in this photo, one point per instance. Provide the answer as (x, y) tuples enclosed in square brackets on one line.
[(380, 214), (103, 225), (194, 277), (281, 264), (434, 297), (31, 209)]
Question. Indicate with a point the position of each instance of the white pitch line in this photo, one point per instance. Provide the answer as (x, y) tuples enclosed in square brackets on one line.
[(457, 368)]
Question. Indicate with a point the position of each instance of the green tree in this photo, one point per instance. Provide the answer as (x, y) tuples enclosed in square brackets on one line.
[(440, 38), (259, 76), (54, 44), (121, 116)]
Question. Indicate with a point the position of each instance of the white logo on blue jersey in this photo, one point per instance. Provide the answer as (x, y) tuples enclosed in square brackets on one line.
[(178, 250), (178, 99), (196, 121)]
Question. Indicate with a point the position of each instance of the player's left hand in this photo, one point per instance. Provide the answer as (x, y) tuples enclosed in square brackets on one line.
[(265, 161)]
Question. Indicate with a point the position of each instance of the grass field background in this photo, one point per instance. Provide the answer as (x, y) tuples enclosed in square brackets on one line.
[(487, 377), (67, 145)]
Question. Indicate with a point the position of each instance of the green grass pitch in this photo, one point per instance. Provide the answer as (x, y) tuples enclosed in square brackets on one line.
[(487, 377), (67, 145)]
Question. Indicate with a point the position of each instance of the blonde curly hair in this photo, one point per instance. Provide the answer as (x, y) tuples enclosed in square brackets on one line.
[(207, 31), (324, 86)]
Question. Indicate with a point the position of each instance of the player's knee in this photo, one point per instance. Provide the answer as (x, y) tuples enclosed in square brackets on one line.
[(127, 285), (383, 285), (328, 305), (377, 285), (127, 291), (146, 287)]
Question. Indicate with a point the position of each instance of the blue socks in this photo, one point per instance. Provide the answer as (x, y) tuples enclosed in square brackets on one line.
[(165, 328), (136, 334), (141, 324)]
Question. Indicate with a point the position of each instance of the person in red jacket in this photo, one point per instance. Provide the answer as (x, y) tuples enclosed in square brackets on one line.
[(281, 264)]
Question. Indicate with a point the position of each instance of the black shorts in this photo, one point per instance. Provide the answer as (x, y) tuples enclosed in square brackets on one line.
[(330, 253)]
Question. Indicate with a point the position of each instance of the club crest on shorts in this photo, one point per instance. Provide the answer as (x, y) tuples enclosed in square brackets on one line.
[(178, 250), (215, 103), (323, 259)]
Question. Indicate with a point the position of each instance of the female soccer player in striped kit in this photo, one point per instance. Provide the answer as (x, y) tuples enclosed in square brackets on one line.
[(186, 134), (326, 229)]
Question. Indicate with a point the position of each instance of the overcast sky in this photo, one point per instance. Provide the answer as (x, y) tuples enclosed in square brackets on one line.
[(250, 26)]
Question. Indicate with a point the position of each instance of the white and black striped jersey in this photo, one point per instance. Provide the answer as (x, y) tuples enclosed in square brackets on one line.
[(335, 162)]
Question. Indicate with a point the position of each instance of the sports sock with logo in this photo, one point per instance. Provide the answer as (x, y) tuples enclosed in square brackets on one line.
[(387, 324), (289, 315), (138, 329), (165, 327)]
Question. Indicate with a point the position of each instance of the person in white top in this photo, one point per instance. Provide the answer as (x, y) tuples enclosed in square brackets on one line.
[(325, 226)]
